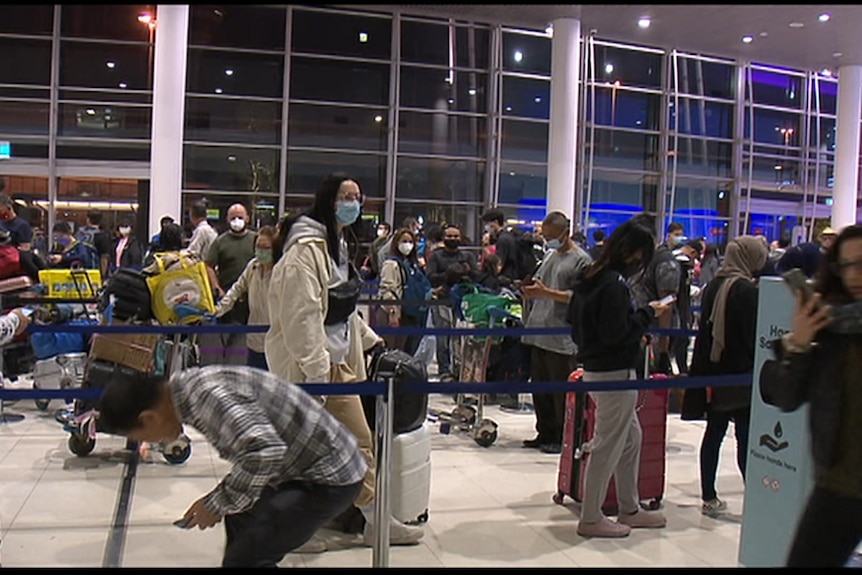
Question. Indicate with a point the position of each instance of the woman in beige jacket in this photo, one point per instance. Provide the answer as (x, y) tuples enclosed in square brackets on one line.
[(315, 334)]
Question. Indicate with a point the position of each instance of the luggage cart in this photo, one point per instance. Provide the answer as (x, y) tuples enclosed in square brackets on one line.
[(470, 354)]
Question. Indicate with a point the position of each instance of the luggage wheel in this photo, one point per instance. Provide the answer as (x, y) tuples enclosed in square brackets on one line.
[(558, 498), (42, 404), (652, 505), (485, 433), (81, 444)]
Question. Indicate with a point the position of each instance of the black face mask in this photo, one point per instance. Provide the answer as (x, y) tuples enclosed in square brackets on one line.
[(631, 269), (452, 244)]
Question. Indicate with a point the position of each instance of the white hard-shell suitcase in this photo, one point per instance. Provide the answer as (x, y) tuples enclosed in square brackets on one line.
[(410, 483)]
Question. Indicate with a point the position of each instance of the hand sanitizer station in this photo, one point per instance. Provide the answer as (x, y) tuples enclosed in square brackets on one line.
[(779, 472)]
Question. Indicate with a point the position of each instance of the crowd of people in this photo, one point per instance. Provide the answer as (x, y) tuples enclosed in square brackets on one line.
[(296, 456)]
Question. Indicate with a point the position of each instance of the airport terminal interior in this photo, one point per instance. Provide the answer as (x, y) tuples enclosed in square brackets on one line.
[(723, 118)]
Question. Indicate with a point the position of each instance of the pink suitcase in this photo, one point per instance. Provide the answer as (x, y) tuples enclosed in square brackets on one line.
[(15, 284), (578, 430)]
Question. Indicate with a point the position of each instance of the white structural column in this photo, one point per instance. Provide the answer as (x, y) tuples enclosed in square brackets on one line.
[(846, 189), (563, 133), (169, 89)]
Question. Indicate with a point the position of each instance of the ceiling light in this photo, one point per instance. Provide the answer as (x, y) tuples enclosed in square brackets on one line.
[(837, 54), (518, 55), (644, 23), (144, 18), (228, 72), (511, 173), (796, 25), (748, 39), (91, 112), (778, 167), (537, 99), (123, 85), (549, 30), (231, 158), (609, 68), (764, 34), (451, 100), (824, 17), (826, 72), (218, 90), (378, 118), (111, 65), (472, 91), (363, 37), (508, 108)]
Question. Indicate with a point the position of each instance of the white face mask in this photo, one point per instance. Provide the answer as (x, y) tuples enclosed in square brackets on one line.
[(125, 231), (381, 232), (406, 248), (237, 224)]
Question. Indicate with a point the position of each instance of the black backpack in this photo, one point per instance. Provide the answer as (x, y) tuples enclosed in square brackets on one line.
[(131, 296), (527, 259), (411, 409)]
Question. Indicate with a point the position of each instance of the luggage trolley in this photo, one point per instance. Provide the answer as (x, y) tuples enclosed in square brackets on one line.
[(471, 354)]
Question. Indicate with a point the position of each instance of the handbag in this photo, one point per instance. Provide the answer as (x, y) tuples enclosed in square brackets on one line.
[(342, 299)]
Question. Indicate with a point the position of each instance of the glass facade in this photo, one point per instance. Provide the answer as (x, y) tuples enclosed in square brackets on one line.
[(436, 118)]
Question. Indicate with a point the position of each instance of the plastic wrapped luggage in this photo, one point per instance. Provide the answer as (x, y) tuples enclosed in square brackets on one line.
[(410, 482), (578, 431)]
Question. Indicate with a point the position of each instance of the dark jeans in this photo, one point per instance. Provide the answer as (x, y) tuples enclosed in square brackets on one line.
[(679, 351), (550, 408), (441, 318), (829, 531), (257, 359), (281, 520), (710, 448)]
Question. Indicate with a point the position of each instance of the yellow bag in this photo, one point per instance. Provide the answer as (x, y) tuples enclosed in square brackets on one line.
[(189, 286), (71, 283)]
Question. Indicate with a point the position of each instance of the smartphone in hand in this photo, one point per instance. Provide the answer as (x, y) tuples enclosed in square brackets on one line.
[(183, 523), (667, 300), (797, 282)]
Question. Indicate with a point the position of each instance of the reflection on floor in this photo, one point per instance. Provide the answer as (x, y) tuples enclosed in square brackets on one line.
[(489, 506)]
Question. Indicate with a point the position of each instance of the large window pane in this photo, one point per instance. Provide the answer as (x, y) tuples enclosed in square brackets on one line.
[(235, 73), (104, 121), (774, 171), (333, 127), (431, 89), (704, 78), (106, 21), (523, 184), (524, 141), (24, 117), (702, 157), (442, 134), (525, 53), (262, 208), (626, 150), (526, 97), (440, 180), (624, 109), (631, 193), (694, 197), (77, 195), (230, 169), (828, 97), (466, 217), (22, 147), (339, 81), (702, 118), (629, 67), (772, 127), (26, 19), (825, 175), (105, 66), (428, 43), (243, 121), (237, 26), (827, 134), (106, 97), (129, 151), (607, 221), (341, 34), (305, 170), (776, 89), (25, 61)]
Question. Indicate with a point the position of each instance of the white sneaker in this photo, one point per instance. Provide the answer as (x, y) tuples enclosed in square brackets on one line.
[(399, 533), (713, 508)]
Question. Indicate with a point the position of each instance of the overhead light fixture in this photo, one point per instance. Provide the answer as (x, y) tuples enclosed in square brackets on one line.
[(363, 37), (518, 55), (218, 90), (145, 18), (778, 168), (472, 91), (826, 72), (231, 158), (511, 173), (609, 68), (91, 112), (747, 39), (111, 65), (764, 34), (644, 23), (837, 54), (537, 99), (451, 100), (228, 72), (123, 85), (508, 108), (824, 17), (378, 118), (796, 25)]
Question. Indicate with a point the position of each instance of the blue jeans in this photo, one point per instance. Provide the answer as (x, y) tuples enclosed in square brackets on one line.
[(257, 359)]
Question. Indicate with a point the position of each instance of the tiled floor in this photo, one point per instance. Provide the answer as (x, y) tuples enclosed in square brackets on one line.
[(489, 506)]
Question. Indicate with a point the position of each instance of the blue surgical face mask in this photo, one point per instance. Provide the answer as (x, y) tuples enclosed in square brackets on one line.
[(64, 240), (264, 256), (553, 244), (346, 212)]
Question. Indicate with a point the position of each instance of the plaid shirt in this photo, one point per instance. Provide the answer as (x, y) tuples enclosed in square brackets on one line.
[(271, 430)]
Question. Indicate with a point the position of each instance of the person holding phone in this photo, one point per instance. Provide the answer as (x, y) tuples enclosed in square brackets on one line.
[(725, 345), (607, 329), (819, 363)]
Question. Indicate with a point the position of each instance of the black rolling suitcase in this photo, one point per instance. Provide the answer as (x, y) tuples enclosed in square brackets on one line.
[(411, 409)]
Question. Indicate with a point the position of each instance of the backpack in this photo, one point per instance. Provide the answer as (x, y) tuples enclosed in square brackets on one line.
[(416, 286), (87, 235), (92, 261), (131, 296), (526, 256)]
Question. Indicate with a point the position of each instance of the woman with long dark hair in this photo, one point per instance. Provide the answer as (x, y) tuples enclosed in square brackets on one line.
[(820, 363), (401, 264), (315, 334), (608, 331)]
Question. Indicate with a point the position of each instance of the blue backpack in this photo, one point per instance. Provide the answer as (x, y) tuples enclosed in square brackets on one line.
[(92, 261), (417, 287)]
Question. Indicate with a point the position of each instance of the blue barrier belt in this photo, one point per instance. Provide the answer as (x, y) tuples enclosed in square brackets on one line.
[(379, 388), (226, 328)]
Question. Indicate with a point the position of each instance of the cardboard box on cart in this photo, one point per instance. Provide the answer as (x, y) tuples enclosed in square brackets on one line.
[(135, 350)]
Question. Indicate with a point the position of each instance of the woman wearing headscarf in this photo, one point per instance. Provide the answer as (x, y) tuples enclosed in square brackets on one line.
[(725, 345)]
